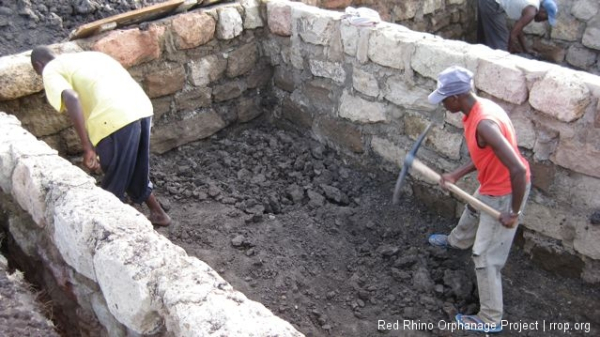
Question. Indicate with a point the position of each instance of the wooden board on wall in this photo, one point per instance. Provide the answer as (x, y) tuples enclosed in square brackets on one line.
[(128, 18)]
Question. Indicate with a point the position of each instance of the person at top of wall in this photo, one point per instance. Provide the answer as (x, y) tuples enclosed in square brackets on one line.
[(492, 30), (504, 184), (112, 117)]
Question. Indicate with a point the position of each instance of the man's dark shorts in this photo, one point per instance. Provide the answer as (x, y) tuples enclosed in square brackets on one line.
[(124, 159)]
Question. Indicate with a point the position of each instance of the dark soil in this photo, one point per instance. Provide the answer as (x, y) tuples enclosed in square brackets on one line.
[(315, 238), (25, 24)]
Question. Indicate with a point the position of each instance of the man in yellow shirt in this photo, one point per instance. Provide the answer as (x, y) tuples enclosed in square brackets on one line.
[(112, 117)]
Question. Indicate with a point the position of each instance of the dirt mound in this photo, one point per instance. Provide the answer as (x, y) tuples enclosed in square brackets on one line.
[(314, 237), (25, 23)]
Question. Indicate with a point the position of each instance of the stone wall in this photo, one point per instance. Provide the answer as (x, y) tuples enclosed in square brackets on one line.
[(573, 42), (452, 19), (364, 91), (118, 276), (203, 70)]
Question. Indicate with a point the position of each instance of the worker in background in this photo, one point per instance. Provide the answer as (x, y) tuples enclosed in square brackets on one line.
[(112, 117), (492, 29)]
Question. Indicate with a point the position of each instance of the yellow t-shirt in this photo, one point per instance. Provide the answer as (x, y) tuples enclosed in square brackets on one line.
[(109, 96)]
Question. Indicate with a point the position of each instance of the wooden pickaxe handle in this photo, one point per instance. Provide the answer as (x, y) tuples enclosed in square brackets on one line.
[(435, 177)]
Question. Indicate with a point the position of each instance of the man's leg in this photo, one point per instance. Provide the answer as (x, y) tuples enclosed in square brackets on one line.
[(490, 252), (140, 187), (491, 25), (463, 235)]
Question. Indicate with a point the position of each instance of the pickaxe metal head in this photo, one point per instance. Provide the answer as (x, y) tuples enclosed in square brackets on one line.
[(408, 163)]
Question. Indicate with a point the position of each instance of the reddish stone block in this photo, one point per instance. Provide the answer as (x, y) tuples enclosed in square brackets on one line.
[(133, 46)]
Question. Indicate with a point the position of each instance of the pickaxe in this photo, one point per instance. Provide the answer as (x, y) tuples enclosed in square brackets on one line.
[(411, 162)]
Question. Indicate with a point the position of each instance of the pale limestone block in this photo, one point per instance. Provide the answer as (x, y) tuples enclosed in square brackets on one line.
[(561, 94), (587, 239), (578, 190), (547, 220), (405, 10), (591, 35), (438, 139), (591, 81), (454, 119), (365, 82), (229, 315), (388, 150), (206, 70), (252, 18), (579, 157), (295, 53), (432, 56), (525, 129), (279, 17), (127, 269), (430, 6), (11, 134), (230, 23), (580, 57), (314, 25), (132, 46), (349, 37), (108, 321), (475, 52), (83, 219), (456, 2), (407, 96), (585, 9), (502, 79), (191, 284), (444, 142), (37, 175), (193, 29), (388, 45), (331, 70), (359, 110), (534, 70), (567, 29), (362, 47), (202, 124), (17, 77)]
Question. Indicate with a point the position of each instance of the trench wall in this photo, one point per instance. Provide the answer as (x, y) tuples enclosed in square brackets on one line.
[(364, 90), (360, 90), (110, 272), (573, 42)]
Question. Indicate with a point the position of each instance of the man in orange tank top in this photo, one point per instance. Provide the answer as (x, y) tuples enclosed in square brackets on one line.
[(504, 178)]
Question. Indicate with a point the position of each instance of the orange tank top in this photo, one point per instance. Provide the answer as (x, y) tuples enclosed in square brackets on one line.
[(493, 176)]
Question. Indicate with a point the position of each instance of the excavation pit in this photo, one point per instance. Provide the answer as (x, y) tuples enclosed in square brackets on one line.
[(305, 120)]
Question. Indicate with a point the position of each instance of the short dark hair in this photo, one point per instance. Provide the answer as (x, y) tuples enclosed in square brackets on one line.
[(42, 54)]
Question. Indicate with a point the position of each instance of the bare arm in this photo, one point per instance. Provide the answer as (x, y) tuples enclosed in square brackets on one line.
[(516, 35), (71, 101), (490, 133)]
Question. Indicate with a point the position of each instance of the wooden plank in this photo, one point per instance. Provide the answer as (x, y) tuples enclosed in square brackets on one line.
[(128, 18)]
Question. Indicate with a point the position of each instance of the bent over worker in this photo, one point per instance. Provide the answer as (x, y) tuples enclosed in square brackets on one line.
[(491, 21), (112, 117), (504, 178)]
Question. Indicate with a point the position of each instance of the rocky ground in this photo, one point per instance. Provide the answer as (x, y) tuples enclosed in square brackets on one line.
[(315, 238)]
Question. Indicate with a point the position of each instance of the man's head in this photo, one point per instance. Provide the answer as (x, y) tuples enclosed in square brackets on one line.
[(547, 11), (452, 83), (40, 56)]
